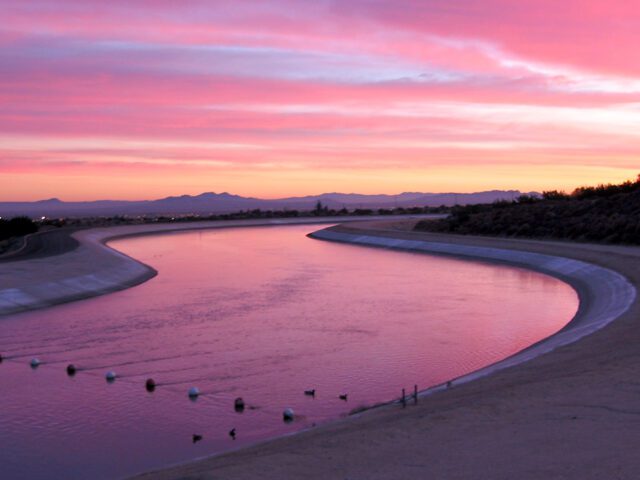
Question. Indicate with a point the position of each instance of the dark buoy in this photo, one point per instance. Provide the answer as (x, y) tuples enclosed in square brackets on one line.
[(232, 433), (71, 369), (35, 363), (449, 384), (193, 393), (311, 393), (238, 405), (0, 358), (343, 397), (150, 385), (196, 438), (110, 376)]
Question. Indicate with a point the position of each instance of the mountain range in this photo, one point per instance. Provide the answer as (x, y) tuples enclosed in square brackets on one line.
[(209, 203)]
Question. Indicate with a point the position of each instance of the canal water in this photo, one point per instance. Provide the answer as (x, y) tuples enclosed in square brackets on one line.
[(262, 313)]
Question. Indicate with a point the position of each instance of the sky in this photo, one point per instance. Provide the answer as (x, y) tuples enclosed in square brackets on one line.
[(273, 98)]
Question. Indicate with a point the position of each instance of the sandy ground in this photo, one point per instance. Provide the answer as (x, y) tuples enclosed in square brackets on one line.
[(571, 414)]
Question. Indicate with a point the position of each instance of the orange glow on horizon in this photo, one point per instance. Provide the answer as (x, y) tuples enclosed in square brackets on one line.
[(274, 185)]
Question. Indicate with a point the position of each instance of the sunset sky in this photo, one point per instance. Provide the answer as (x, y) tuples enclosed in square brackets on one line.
[(144, 99)]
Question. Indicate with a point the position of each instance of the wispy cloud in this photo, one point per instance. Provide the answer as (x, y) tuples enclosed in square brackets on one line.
[(317, 93)]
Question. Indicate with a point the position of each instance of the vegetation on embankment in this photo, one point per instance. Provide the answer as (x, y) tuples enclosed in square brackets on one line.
[(12, 230), (16, 227), (606, 213)]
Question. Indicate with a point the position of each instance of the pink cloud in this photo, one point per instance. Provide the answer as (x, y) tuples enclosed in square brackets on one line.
[(204, 86)]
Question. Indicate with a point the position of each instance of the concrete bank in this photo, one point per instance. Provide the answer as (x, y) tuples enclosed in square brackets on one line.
[(92, 268), (569, 414), (604, 294)]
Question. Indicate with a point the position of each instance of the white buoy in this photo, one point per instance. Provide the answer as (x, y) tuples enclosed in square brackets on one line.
[(110, 376), (194, 392), (287, 414), (35, 362)]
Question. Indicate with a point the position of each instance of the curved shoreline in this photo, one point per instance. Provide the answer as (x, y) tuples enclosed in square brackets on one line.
[(475, 429), (93, 268), (392, 443), (603, 294)]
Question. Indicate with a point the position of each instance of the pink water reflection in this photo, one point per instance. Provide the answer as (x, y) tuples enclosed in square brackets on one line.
[(262, 313)]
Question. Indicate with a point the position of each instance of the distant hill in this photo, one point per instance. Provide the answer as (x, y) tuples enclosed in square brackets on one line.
[(606, 213), (209, 203)]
